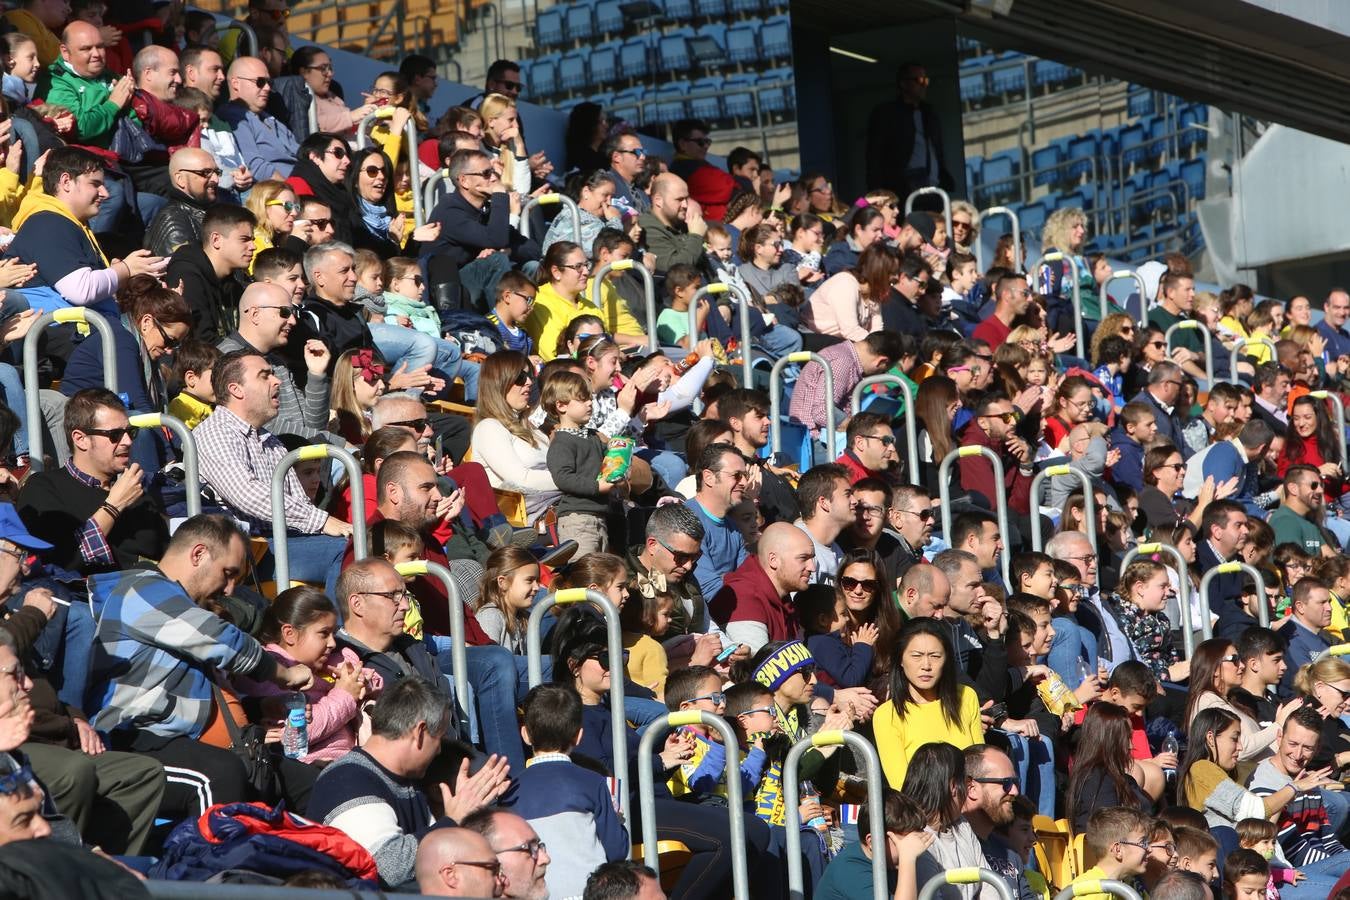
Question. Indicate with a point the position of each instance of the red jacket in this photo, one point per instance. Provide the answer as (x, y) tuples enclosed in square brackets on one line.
[(173, 126), (747, 595), (977, 475), (710, 186), (856, 471)]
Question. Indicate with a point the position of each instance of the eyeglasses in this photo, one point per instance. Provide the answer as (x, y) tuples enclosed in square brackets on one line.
[(736, 477), (1142, 844), (395, 596), (417, 425), (321, 224), (528, 298), (1345, 695), (534, 847), (494, 867), (871, 511), (324, 67), (1170, 847), (1008, 417), (887, 440), (1180, 467), (15, 551), (1230, 658), (372, 171), (702, 142), (336, 152), (524, 378), (289, 205), (204, 173), (681, 557), (638, 152), (261, 81), (1009, 784), (115, 435), (717, 697), (579, 267), (286, 312), (771, 710), (923, 515), (852, 584), (957, 223)]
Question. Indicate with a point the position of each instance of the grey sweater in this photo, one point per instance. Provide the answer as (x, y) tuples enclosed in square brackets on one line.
[(575, 462), (305, 414)]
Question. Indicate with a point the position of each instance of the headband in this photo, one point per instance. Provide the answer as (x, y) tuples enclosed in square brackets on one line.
[(783, 664)]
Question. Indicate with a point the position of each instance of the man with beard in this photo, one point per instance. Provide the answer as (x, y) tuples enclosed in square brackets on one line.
[(194, 179), (238, 457), (1296, 520), (871, 447), (267, 313), (753, 603), (746, 413), (721, 477), (991, 785), (661, 567), (523, 857)]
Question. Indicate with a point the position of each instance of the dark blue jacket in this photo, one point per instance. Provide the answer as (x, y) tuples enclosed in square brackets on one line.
[(838, 258), (1129, 469), (847, 665), (1225, 595), (1302, 646), (1169, 426)]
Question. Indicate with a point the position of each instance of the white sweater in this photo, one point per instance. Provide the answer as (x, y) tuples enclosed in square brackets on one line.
[(514, 465)]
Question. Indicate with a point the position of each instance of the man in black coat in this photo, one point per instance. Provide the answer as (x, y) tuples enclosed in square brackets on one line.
[(207, 269), (904, 138), (195, 177), (1223, 534)]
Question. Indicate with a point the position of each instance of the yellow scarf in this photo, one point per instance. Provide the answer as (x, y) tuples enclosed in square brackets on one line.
[(37, 200)]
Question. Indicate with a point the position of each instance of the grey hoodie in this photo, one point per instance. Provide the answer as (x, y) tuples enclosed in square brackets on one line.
[(1092, 463)]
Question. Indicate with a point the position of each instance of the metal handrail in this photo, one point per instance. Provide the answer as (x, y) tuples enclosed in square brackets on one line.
[(246, 33), (1120, 275), (649, 291), (1000, 496), (743, 298), (776, 399), (1018, 258), (1094, 887), (1240, 345), (438, 185), (1336, 402), (946, 203), (875, 807), (458, 653), (1193, 325), (911, 430), (1059, 256), (614, 634), (1184, 596), (1227, 568), (280, 551), (740, 870), (552, 200), (192, 480), (966, 875), (1089, 504), (79, 315)]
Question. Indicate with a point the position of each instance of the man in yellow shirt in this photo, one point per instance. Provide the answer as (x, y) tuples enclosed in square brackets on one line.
[(1117, 839)]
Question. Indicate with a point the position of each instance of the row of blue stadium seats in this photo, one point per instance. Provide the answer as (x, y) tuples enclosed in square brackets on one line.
[(584, 21), (1153, 188), (714, 98), (986, 78), (676, 51)]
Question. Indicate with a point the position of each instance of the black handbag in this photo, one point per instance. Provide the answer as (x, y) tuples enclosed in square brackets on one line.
[(248, 743)]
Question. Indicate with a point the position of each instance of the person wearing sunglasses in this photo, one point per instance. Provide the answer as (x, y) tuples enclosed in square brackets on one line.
[(870, 443), (380, 227), (709, 186), (276, 208), (321, 165), (267, 145), (626, 159), (195, 178)]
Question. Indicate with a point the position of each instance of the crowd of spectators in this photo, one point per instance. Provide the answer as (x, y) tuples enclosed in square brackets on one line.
[(530, 429)]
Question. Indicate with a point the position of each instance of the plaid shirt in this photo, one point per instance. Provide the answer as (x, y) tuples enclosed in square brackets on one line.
[(238, 460), (809, 404), (94, 547), (156, 655)]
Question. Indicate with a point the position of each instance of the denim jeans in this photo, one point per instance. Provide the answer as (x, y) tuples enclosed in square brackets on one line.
[(495, 680), (1035, 762), (63, 649), (1318, 879), (668, 465), (12, 387), (313, 558), (1337, 807), (779, 341)]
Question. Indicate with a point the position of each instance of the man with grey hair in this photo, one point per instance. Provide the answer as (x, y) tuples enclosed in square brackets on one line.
[(1092, 631), (663, 566), (374, 793), (517, 846), (963, 581), (1161, 394)]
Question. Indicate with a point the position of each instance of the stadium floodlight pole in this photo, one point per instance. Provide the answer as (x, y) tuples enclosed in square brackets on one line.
[(78, 315), (648, 289), (911, 430), (946, 203)]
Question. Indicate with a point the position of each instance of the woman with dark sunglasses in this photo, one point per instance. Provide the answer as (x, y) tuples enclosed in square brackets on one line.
[(276, 208), (1216, 669), (514, 452), (377, 225)]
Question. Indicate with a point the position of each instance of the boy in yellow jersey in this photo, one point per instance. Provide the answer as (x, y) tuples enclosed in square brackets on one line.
[(1117, 840)]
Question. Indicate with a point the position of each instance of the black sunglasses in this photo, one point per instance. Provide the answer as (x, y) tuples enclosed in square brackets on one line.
[(336, 152), (417, 425), (852, 584), (261, 81), (289, 311), (115, 435), (1009, 784), (524, 378), (372, 171)]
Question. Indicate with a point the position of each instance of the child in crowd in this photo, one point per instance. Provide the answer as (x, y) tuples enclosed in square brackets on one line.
[(962, 274), (576, 454), (310, 474), (749, 709), (672, 325), (1100, 267), (298, 628), (1162, 854), (1140, 601), (1135, 428), (1246, 876), (404, 288), (1020, 837), (1116, 842), (645, 621), (1051, 689), (20, 58), (1198, 852), (1113, 361), (219, 142), (718, 252), (849, 875), (192, 365), (510, 582), (1260, 324), (1132, 687), (515, 297), (281, 267), (846, 660), (704, 773), (570, 807), (1260, 835), (399, 542)]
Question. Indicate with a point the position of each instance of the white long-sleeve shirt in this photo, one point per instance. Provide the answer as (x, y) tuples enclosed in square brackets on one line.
[(514, 465)]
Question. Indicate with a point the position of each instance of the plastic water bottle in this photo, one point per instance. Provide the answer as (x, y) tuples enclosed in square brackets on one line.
[(295, 733), (1169, 745), (809, 792), (1084, 670)]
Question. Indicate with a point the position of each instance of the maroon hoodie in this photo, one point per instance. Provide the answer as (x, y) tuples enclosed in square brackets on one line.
[(747, 595)]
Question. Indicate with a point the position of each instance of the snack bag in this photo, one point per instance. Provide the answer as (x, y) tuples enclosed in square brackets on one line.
[(618, 459)]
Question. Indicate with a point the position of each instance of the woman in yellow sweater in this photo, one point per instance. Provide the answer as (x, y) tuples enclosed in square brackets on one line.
[(928, 703)]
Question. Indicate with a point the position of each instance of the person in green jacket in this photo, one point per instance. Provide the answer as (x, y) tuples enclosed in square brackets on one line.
[(81, 84), (1295, 520), (674, 228)]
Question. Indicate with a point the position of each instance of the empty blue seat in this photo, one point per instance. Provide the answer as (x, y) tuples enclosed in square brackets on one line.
[(580, 27), (608, 17), (548, 28), (776, 38), (738, 102), (742, 43), (712, 9), (997, 177), (1046, 72), (670, 104), (1193, 173), (1080, 152), (604, 65), (572, 71), (1031, 218), (1008, 79), (1133, 145), (715, 32), (1139, 102), (776, 95), (708, 108), (974, 87), (634, 59), (679, 11), (544, 77), (1045, 164), (673, 50), (745, 6), (625, 105)]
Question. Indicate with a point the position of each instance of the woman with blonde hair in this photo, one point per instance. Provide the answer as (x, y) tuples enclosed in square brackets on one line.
[(1325, 685), (1065, 231), (274, 207), (965, 227), (502, 138)]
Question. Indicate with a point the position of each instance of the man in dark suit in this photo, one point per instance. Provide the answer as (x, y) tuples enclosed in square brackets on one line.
[(1164, 387), (1270, 396), (904, 138), (1223, 534)]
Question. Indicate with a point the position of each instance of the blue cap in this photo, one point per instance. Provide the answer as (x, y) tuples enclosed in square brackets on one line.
[(13, 530)]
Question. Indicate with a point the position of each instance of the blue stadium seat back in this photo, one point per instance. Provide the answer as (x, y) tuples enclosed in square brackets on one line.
[(712, 9), (709, 107), (634, 58), (1046, 72), (776, 38), (1133, 140), (1032, 217), (1008, 79), (715, 32), (881, 404), (670, 102), (1193, 173), (1081, 151), (1139, 102), (738, 102), (544, 75), (1159, 137), (572, 70), (608, 17), (1045, 162), (548, 28), (674, 53), (579, 21), (679, 11), (795, 442), (625, 105), (604, 66), (743, 42), (749, 7), (974, 87)]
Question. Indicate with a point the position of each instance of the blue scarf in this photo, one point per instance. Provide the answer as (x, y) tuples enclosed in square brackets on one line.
[(376, 218)]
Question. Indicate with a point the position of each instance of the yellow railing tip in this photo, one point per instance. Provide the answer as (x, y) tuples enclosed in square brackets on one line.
[(718, 287), (73, 314), (831, 738), (314, 451), (682, 717), (968, 451), (963, 875), (620, 264), (570, 595), (800, 356), (146, 420), (549, 199), (1149, 548), (1061, 469), (412, 567)]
